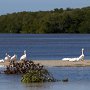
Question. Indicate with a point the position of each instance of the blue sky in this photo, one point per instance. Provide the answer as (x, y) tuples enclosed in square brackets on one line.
[(10, 6)]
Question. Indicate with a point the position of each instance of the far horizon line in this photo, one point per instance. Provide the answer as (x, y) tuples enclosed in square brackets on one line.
[(43, 10)]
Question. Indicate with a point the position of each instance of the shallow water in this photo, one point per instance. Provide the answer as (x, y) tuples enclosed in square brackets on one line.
[(79, 79)]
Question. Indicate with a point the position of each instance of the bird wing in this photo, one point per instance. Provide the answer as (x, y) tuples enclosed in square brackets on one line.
[(23, 57)]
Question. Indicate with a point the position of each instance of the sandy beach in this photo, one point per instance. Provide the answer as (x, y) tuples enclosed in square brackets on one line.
[(58, 63)]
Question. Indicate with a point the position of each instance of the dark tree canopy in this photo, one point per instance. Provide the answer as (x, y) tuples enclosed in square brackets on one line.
[(54, 21)]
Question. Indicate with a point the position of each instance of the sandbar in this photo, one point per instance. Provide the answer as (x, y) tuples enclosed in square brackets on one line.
[(58, 63)]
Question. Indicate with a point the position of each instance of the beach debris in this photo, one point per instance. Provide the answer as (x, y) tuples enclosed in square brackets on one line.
[(31, 72), (65, 80)]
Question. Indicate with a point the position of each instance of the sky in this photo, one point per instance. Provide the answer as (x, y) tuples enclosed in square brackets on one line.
[(10, 6)]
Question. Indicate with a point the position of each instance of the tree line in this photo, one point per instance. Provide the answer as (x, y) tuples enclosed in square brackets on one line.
[(55, 21)]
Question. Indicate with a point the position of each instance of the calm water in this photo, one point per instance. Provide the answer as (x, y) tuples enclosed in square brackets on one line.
[(39, 46), (79, 79)]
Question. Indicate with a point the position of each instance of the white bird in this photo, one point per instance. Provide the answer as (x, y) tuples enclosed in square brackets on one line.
[(23, 57), (14, 57), (1, 60), (81, 57), (7, 58), (66, 59)]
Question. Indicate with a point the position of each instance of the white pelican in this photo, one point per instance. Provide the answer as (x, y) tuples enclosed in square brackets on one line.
[(14, 57), (81, 57), (66, 59), (23, 57), (7, 58), (1, 60)]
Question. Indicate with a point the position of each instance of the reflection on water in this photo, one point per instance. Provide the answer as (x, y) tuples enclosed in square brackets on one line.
[(39, 86), (79, 79), (59, 86)]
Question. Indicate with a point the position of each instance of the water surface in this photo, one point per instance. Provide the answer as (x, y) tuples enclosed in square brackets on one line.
[(45, 46), (79, 79)]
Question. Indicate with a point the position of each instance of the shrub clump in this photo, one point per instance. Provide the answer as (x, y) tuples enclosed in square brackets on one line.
[(41, 75), (30, 71)]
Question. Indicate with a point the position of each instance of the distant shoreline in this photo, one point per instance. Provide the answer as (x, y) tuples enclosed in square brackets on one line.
[(58, 63)]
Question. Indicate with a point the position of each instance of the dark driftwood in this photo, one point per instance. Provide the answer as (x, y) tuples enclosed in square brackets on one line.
[(21, 67)]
